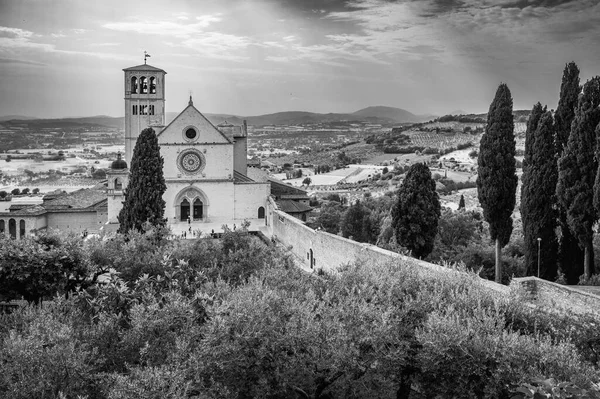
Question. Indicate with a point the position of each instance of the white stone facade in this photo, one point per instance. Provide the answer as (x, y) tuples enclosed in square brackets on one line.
[(204, 166)]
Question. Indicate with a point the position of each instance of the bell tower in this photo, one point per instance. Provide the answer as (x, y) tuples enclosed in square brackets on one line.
[(144, 102)]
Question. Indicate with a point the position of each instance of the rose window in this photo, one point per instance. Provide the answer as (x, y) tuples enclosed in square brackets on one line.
[(190, 162)]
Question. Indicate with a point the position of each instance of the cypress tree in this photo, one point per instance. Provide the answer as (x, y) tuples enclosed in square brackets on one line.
[(496, 178), (416, 213), (567, 103), (461, 202), (570, 256), (577, 171), (144, 193), (532, 123), (537, 197)]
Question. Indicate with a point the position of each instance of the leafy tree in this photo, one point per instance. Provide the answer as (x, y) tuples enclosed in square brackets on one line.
[(307, 181), (496, 179), (38, 267), (352, 222), (25, 191), (99, 174), (330, 217), (15, 191), (36, 190), (538, 196), (144, 193), (3, 194), (571, 256), (8, 158), (577, 171), (417, 211), (461, 203)]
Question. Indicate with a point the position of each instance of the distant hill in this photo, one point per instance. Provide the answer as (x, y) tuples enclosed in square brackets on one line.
[(520, 115), (390, 113), (16, 117), (377, 114)]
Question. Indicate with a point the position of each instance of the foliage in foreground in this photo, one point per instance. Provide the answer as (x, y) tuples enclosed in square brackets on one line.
[(235, 319)]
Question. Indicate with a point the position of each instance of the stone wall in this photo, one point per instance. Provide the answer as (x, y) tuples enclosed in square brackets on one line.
[(248, 198), (76, 222), (557, 297), (330, 251)]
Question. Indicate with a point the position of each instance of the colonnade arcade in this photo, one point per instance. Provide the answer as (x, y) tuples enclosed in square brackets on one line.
[(12, 227), (193, 203)]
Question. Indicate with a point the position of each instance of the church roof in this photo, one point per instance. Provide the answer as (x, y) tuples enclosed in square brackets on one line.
[(289, 206), (119, 163), (191, 104), (241, 178), (80, 199), (144, 67)]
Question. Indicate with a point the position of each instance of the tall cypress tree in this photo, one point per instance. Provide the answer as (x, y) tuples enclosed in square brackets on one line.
[(577, 171), (537, 197), (144, 193), (532, 123), (570, 256), (496, 178), (416, 214)]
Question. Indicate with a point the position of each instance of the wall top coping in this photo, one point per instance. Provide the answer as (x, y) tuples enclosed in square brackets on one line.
[(569, 289), (499, 288)]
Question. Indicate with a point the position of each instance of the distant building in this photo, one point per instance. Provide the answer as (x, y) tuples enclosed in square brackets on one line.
[(81, 211)]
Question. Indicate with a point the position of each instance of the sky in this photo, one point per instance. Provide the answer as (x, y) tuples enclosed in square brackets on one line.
[(63, 58)]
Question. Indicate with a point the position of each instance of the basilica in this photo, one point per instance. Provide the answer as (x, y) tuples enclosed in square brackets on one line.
[(205, 166)]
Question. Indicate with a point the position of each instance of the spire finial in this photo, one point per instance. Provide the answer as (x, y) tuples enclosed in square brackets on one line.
[(146, 55), (190, 102)]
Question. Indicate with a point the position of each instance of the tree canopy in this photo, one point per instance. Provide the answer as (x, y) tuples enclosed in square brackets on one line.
[(496, 178), (570, 256), (417, 211), (577, 170), (538, 197), (143, 196)]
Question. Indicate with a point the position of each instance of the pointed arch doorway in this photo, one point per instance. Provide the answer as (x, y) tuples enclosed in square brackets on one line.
[(198, 209), (185, 209), (193, 203)]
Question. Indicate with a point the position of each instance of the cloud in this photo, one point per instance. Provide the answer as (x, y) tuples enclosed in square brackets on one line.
[(175, 28), (15, 38), (22, 62), (218, 45), (110, 44)]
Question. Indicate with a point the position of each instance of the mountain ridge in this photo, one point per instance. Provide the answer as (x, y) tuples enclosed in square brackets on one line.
[(374, 114)]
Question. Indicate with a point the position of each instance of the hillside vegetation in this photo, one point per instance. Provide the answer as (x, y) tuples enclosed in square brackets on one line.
[(235, 319)]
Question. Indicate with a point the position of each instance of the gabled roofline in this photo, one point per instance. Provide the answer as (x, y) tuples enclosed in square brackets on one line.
[(202, 115), (145, 67)]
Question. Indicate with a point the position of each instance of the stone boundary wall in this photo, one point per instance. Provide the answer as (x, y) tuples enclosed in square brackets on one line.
[(330, 251), (557, 297)]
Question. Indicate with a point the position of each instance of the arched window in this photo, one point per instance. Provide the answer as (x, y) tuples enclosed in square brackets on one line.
[(118, 184), (152, 85), (134, 85), (185, 209), (2, 227), (261, 213), (22, 228), (12, 228), (198, 209), (143, 85)]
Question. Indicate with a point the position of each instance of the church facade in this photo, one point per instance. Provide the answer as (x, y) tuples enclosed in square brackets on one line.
[(205, 166)]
